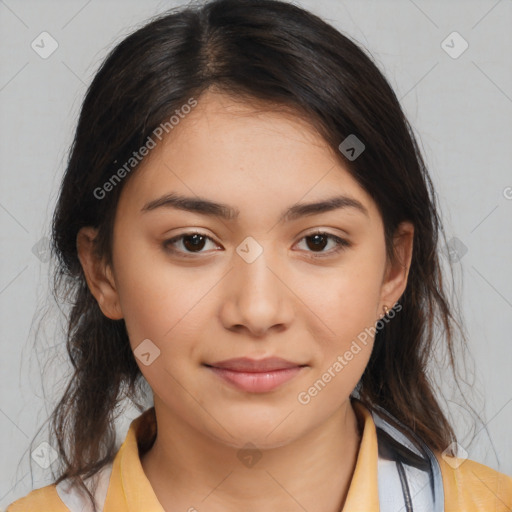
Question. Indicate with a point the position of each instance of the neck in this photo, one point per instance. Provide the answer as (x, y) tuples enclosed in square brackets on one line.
[(188, 469)]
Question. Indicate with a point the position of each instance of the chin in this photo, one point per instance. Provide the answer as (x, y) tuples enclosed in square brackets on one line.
[(265, 434)]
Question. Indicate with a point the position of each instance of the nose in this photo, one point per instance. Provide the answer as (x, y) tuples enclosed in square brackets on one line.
[(257, 297)]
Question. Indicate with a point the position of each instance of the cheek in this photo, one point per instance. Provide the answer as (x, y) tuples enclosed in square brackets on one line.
[(345, 298), (344, 331), (344, 302), (162, 302), (158, 310), (151, 295)]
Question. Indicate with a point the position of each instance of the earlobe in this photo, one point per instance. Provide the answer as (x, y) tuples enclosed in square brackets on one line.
[(98, 275), (397, 272)]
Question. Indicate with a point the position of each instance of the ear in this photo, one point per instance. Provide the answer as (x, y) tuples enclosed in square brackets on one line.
[(98, 275), (395, 277)]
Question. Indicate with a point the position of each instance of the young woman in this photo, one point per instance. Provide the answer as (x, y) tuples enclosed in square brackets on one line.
[(246, 224)]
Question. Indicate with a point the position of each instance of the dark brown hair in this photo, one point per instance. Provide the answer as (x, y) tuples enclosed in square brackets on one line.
[(279, 54)]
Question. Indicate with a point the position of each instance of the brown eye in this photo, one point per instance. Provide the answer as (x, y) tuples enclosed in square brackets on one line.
[(193, 242), (187, 243), (316, 243)]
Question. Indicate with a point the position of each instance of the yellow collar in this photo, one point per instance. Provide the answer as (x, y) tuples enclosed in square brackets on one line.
[(130, 489), (468, 485)]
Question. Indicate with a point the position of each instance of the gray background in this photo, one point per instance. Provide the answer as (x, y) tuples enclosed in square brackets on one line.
[(460, 107)]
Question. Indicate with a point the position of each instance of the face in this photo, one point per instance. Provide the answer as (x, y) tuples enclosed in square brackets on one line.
[(196, 288)]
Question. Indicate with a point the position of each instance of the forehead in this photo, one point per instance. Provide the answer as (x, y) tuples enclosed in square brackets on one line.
[(240, 132), (243, 154)]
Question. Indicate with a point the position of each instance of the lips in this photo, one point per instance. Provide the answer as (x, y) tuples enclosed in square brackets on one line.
[(247, 365), (256, 376)]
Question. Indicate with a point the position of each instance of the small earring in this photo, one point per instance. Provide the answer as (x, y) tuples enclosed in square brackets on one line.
[(386, 309)]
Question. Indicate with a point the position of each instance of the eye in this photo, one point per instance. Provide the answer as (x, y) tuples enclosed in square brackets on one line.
[(320, 239), (192, 242)]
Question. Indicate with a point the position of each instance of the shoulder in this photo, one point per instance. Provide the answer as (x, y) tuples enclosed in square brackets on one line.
[(65, 496), (39, 500), (474, 487)]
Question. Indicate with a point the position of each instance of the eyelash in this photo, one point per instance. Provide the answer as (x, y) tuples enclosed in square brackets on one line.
[(341, 243)]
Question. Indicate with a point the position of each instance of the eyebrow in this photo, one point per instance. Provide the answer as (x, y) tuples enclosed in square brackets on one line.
[(207, 207)]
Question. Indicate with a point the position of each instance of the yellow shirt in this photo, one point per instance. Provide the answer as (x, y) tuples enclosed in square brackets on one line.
[(470, 487)]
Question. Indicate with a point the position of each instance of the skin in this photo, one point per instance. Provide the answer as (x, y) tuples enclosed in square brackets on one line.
[(215, 305)]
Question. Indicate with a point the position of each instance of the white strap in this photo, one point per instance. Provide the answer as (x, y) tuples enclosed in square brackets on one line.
[(409, 474)]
